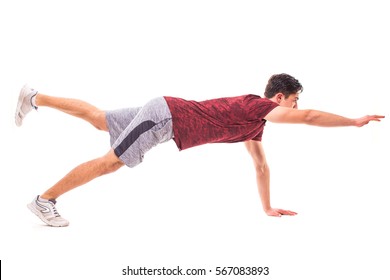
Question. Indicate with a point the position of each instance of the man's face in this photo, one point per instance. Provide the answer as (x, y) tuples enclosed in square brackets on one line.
[(290, 102)]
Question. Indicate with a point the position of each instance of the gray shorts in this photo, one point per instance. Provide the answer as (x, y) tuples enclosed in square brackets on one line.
[(134, 131)]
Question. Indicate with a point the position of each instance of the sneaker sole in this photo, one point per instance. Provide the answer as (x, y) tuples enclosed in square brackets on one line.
[(18, 113), (40, 216)]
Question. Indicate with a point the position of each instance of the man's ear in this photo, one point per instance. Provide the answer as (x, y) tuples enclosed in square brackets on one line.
[(279, 97)]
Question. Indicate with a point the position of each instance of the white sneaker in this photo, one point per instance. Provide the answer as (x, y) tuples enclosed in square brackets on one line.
[(47, 212), (24, 104)]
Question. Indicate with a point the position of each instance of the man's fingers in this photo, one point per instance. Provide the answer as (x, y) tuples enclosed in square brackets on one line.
[(287, 212), (280, 212), (376, 118), (367, 119)]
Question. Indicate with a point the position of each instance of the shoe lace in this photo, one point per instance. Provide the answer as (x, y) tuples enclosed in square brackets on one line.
[(54, 208)]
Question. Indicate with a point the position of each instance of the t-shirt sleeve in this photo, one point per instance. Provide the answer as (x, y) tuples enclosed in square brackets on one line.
[(258, 137), (268, 106)]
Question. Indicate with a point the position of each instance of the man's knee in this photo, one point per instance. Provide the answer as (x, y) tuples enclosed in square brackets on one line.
[(99, 120), (112, 162)]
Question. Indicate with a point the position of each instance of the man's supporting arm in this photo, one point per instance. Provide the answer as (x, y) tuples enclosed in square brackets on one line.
[(255, 149)]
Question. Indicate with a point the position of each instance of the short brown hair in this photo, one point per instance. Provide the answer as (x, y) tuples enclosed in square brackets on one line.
[(283, 83)]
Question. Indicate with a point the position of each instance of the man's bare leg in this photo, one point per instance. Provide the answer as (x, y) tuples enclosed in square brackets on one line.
[(87, 171), (84, 173), (74, 107), (44, 206)]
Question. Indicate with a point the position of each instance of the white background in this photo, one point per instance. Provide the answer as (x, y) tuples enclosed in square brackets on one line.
[(198, 208)]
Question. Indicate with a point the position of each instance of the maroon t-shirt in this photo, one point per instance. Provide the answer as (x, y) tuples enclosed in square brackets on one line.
[(222, 120)]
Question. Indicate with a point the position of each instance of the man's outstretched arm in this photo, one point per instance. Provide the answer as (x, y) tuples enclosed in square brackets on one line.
[(255, 149), (317, 118)]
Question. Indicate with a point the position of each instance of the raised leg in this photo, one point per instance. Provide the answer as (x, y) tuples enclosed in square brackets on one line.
[(84, 173), (74, 107)]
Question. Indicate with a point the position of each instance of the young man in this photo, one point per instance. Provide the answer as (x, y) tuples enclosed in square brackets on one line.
[(134, 131)]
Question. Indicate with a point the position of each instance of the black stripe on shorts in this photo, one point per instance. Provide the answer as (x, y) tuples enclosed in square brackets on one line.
[(133, 136)]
